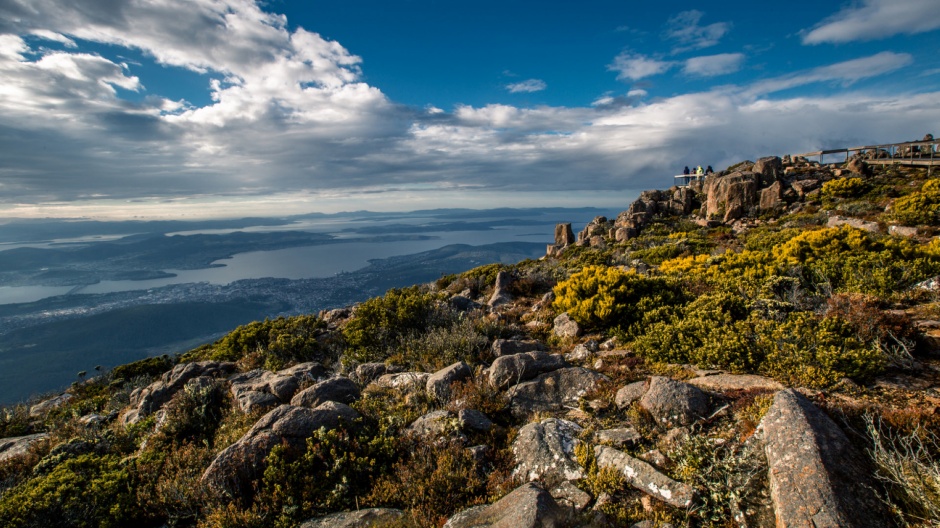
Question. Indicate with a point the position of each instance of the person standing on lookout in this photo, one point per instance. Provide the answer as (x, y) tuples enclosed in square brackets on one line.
[(686, 170), (699, 171)]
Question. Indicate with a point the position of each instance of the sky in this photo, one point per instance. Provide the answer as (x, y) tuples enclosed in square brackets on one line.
[(116, 109)]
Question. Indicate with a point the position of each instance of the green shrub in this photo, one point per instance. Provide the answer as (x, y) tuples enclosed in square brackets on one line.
[(919, 208), (271, 344), (379, 323), (148, 367), (86, 491), (844, 188), (599, 296), (192, 416), (442, 346)]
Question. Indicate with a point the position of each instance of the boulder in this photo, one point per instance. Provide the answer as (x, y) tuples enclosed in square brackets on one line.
[(257, 389), (564, 236), (836, 221), (45, 406), (507, 371), (771, 198), (148, 400), (645, 477), (620, 437), (232, 471), (567, 495), (19, 445), (501, 293), (630, 393), (340, 390), (464, 304), (731, 196), (406, 381), (355, 519), (728, 382), (674, 403), (435, 424), (438, 384), (858, 166), (565, 326), (528, 506), (366, 373), (902, 231), (544, 451), (804, 187), (769, 168), (553, 391), (505, 347), (817, 478), (473, 420)]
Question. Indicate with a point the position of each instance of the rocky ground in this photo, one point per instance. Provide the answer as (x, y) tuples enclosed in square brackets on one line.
[(542, 421)]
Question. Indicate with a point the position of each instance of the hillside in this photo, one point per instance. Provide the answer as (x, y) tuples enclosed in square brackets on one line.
[(758, 349)]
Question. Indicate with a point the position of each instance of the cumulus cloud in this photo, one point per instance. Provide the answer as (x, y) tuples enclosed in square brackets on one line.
[(712, 65), (632, 66), (527, 86), (684, 31), (875, 19)]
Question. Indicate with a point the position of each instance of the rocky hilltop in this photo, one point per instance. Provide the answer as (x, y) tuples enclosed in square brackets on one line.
[(756, 349)]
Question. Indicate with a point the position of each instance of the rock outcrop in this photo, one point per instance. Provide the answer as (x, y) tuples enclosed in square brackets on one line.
[(339, 390), (544, 451), (817, 478), (507, 371), (674, 403), (153, 397), (438, 384), (261, 389), (19, 445), (233, 470), (501, 294), (528, 506), (553, 391)]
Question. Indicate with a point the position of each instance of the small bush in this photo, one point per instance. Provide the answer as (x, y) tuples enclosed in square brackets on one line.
[(844, 188), (599, 297), (149, 368), (271, 344), (919, 208)]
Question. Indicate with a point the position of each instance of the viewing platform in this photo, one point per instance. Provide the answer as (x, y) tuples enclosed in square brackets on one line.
[(925, 153)]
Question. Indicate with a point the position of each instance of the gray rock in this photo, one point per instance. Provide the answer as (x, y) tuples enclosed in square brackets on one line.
[(355, 519), (148, 400), (528, 506), (473, 420), (19, 445), (249, 388), (544, 451), (464, 304), (817, 478), (565, 326), (630, 393), (553, 391), (507, 371), (406, 381), (645, 477), (435, 424), (674, 403), (582, 352), (341, 390), (45, 406), (836, 221), (902, 231), (726, 382), (501, 294), (620, 437), (770, 168), (506, 347), (232, 471), (366, 373), (250, 401), (438, 384), (568, 495), (564, 236)]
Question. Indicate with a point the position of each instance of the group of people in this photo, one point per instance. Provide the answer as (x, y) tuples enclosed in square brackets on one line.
[(698, 171)]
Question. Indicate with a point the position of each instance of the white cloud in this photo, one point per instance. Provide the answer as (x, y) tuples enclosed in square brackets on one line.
[(633, 66), (55, 37), (685, 33), (876, 19), (712, 65), (637, 92), (527, 86), (846, 73)]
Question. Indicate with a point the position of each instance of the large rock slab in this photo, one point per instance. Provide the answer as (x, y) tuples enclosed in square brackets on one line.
[(233, 470), (553, 391), (731, 196), (19, 445), (340, 390), (673, 403), (148, 400), (817, 478), (438, 384), (528, 506), (728, 382), (355, 519), (45, 406), (645, 477), (507, 371), (544, 451)]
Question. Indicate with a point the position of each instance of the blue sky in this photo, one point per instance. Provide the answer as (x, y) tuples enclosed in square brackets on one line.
[(188, 108)]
